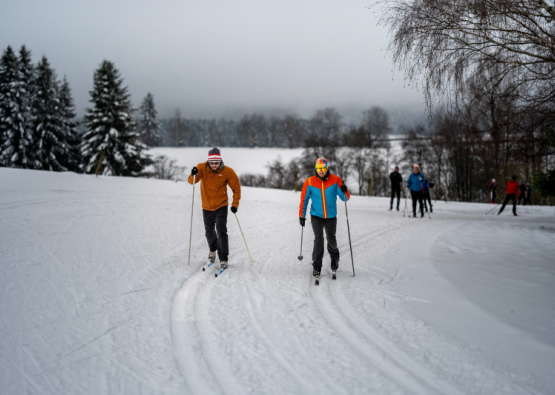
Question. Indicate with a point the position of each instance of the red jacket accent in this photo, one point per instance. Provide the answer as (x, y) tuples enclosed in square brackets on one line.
[(512, 188)]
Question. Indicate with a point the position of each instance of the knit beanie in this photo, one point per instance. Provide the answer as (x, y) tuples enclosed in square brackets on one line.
[(214, 155), (322, 162)]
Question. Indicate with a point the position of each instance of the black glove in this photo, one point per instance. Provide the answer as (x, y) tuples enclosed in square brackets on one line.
[(431, 184), (233, 209), (194, 171), (302, 221), (344, 188)]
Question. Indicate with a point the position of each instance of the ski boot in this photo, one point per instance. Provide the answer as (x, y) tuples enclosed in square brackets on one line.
[(211, 260), (316, 276), (223, 265), (334, 267)]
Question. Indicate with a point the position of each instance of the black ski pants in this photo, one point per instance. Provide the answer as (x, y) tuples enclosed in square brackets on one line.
[(417, 196), (395, 191), (427, 198), (318, 226), (215, 226), (510, 196)]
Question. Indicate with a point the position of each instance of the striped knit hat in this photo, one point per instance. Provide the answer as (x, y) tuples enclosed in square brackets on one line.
[(214, 155), (322, 162)]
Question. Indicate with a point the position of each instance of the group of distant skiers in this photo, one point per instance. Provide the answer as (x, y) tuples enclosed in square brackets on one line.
[(419, 189), (513, 191), (322, 190)]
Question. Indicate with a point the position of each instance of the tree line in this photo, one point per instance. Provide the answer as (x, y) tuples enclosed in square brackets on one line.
[(485, 133)]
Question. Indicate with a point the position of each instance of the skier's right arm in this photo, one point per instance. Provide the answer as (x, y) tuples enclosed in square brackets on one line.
[(305, 197), (198, 175)]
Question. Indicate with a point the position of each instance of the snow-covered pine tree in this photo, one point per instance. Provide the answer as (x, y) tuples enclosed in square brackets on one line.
[(111, 128), (16, 81), (9, 66), (149, 127), (50, 144), (28, 76), (69, 127)]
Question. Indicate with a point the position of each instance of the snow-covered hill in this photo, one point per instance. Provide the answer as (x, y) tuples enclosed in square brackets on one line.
[(96, 296)]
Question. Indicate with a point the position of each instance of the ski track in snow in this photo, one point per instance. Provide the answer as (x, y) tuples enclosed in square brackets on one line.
[(98, 295), (381, 354)]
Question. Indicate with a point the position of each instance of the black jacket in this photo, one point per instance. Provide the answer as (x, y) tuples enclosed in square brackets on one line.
[(396, 180)]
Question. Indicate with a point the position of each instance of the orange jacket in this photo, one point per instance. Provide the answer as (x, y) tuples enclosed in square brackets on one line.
[(213, 189), (512, 188)]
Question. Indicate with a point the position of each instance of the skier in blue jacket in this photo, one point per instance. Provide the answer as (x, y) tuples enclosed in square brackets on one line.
[(415, 183), (322, 190)]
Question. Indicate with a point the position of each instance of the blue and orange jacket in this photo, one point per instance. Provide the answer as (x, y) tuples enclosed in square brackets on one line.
[(324, 196)]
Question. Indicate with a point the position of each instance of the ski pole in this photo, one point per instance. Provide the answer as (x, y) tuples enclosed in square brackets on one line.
[(430, 194), (301, 254), (494, 207), (250, 257), (349, 231), (191, 229), (406, 197)]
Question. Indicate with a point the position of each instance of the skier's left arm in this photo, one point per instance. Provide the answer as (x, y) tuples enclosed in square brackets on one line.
[(233, 182), (342, 190)]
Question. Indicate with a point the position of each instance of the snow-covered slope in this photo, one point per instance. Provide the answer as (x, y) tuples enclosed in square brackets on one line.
[(96, 296)]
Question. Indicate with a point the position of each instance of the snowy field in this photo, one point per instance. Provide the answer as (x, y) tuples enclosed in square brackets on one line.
[(242, 160), (96, 296), (255, 160)]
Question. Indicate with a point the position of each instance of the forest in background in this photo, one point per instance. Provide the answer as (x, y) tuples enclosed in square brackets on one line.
[(485, 132)]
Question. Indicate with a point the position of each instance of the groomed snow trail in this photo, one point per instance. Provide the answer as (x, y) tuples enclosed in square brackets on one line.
[(271, 330), (96, 295)]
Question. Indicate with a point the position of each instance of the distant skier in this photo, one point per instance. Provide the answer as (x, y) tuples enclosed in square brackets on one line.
[(415, 183), (396, 181), (426, 196), (215, 178), (528, 198), (493, 191), (522, 190), (512, 192), (323, 189)]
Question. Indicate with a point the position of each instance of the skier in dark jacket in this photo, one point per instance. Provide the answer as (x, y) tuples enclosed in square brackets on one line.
[(323, 189), (415, 183), (426, 195), (493, 191), (527, 199), (396, 181), (512, 192)]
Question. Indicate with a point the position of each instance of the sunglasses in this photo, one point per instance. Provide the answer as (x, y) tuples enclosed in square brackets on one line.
[(214, 163)]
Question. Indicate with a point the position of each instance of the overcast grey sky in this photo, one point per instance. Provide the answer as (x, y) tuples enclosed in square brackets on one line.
[(209, 57)]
